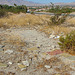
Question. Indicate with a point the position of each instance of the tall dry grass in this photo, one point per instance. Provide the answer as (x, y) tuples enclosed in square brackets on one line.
[(12, 39), (71, 20), (23, 20)]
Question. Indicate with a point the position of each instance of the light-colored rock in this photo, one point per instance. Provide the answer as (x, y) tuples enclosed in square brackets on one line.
[(57, 37), (1, 49), (10, 63), (51, 71), (9, 51), (3, 65), (47, 66), (33, 48), (72, 66), (23, 69), (21, 66), (52, 36), (26, 63)]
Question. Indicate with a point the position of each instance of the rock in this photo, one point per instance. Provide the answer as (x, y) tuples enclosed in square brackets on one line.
[(1, 46), (52, 36), (72, 72), (9, 51), (51, 71), (47, 66), (57, 37), (72, 66), (23, 69), (10, 63), (53, 46), (33, 48), (1, 49), (26, 63), (21, 66), (3, 65)]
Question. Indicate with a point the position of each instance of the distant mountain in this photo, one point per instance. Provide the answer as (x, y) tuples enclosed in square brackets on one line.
[(19, 2), (71, 3), (29, 3)]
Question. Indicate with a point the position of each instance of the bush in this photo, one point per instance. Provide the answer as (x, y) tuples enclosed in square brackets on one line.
[(67, 43), (32, 12), (2, 13), (60, 14)]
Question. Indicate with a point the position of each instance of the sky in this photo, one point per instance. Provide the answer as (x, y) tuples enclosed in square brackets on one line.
[(48, 1)]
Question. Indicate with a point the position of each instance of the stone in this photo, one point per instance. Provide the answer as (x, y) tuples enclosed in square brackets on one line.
[(51, 71), (3, 65), (72, 66), (1, 46), (1, 49), (26, 63), (9, 51), (55, 52), (57, 37), (10, 63), (21, 66), (33, 48), (52, 36), (23, 69), (53, 46), (47, 66)]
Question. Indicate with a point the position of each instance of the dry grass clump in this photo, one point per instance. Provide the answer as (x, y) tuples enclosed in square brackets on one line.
[(12, 39), (55, 29), (21, 19), (15, 40), (71, 20)]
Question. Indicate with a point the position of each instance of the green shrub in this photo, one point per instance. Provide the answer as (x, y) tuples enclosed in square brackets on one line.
[(60, 14), (32, 12), (2, 13), (67, 43)]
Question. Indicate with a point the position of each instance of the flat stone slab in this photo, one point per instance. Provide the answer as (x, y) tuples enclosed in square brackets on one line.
[(3, 65), (68, 56), (33, 48), (55, 52)]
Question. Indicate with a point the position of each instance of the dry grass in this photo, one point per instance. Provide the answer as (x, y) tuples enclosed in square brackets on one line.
[(15, 40), (23, 20), (71, 20), (55, 29), (12, 39)]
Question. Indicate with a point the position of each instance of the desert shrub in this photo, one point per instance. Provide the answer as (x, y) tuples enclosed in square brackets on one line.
[(32, 12), (2, 13), (60, 14), (67, 43), (14, 9)]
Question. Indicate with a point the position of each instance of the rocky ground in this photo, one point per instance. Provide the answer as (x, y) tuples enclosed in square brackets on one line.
[(37, 55)]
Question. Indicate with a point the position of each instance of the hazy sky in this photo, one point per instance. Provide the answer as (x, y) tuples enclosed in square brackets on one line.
[(48, 1)]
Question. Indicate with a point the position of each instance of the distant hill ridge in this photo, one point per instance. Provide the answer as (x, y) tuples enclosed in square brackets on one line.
[(29, 3), (19, 2)]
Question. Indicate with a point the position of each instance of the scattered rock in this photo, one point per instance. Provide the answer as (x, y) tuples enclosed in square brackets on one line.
[(10, 63), (52, 36), (1, 49), (21, 66), (26, 63), (8, 51), (3, 65), (33, 48), (47, 66)]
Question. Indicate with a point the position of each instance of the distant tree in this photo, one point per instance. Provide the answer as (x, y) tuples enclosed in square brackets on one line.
[(15, 4), (60, 13)]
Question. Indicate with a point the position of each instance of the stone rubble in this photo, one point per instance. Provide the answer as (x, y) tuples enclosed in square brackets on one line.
[(36, 57)]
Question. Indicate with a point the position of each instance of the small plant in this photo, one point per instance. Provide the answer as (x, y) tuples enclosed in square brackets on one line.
[(2, 13), (60, 13), (32, 12), (67, 43)]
